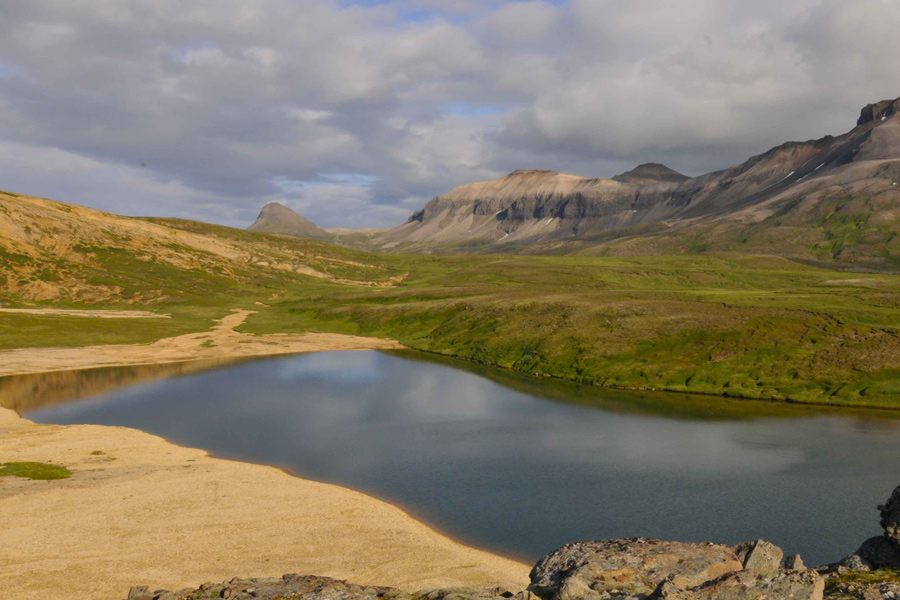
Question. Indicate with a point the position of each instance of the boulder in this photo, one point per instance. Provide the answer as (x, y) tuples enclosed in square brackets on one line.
[(880, 552), (759, 555), (634, 567), (754, 585), (890, 515)]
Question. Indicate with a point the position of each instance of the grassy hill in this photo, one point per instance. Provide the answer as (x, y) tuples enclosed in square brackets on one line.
[(729, 324)]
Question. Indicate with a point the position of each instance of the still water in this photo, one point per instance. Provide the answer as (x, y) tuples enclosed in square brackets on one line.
[(523, 466)]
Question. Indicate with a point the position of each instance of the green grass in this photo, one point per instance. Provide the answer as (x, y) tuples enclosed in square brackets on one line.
[(729, 324), (34, 470), (742, 326)]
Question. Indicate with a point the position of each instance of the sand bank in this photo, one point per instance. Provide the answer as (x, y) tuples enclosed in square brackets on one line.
[(221, 342), (139, 510)]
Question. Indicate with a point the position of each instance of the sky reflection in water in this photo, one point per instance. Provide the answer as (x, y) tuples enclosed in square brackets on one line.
[(506, 469)]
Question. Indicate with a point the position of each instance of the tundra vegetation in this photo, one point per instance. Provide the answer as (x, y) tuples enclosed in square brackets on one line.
[(724, 323)]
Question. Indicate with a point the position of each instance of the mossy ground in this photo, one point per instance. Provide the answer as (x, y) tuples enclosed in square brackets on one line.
[(34, 470)]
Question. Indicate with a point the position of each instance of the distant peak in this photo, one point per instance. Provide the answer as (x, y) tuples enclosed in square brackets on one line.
[(278, 218), (275, 207), (878, 111), (651, 172)]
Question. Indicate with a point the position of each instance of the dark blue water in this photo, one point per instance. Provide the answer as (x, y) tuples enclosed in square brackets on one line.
[(513, 471)]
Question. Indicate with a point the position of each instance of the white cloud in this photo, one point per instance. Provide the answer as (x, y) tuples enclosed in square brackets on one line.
[(220, 101)]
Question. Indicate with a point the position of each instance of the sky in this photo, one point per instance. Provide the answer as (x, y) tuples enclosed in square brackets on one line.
[(356, 112)]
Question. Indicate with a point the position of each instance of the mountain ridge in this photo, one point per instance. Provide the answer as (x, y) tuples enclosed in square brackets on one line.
[(781, 201)]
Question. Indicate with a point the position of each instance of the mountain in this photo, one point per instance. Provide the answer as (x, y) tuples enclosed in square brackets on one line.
[(831, 199), (651, 172), (278, 218)]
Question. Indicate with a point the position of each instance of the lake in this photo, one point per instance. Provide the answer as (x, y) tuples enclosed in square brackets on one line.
[(513, 464)]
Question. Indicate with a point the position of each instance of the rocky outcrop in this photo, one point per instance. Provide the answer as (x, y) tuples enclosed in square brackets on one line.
[(645, 569), (890, 515), (291, 587), (880, 552), (878, 111), (631, 566), (754, 585)]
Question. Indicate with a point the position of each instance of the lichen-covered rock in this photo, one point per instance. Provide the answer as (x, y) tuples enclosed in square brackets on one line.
[(296, 587), (851, 590), (630, 567), (890, 515), (759, 555), (755, 585)]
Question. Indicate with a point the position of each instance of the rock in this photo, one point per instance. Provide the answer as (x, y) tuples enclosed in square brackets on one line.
[(849, 563), (855, 590), (669, 591), (879, 553), (759, 555), (314, 588), (139, 592), (890, 515), (754, 585), (634, 567), (793, 563)]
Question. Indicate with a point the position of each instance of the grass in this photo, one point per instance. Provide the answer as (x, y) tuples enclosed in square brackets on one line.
[(728, 324), (750, 327), (853, 584), (34, 470)]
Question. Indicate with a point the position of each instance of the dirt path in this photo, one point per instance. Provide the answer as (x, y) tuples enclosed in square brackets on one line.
[(220, 342), (139, 510)]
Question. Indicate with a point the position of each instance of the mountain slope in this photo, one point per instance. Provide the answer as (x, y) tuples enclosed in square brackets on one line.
[(50, 251), (653, 210)]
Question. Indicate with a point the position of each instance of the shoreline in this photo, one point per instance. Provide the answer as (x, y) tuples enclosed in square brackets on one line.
[(139, 509), (221, 342)]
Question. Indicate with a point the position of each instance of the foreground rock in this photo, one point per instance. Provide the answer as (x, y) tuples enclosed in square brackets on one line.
[(760, 555), (880, 552), (753, 585), (631, 567), (890, 515), (291, 587)]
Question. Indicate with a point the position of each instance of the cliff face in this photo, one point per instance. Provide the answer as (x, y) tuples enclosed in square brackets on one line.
[(538, 210)]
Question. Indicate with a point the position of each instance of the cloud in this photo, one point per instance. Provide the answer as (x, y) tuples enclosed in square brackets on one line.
[(207, 110)]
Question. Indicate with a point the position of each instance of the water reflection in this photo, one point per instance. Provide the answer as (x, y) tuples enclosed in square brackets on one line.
[(500, 466), (26, 393)]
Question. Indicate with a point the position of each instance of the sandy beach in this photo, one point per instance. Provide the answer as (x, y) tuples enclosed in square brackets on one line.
[(139, 510)]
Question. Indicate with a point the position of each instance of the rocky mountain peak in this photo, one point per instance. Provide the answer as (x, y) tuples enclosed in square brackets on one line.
[(278, 218), (273, 209), (878, 111), (651, 172)]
